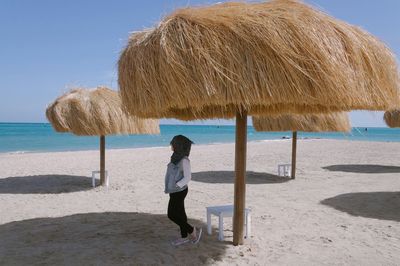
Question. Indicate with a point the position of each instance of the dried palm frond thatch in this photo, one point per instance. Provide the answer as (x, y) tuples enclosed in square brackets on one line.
[(281, 56), (330, 122), (392, 118), (96, 112)]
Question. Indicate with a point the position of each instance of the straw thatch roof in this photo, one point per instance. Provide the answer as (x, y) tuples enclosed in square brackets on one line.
[(96, 112), (392, 118), (275, 57), (308, 123)]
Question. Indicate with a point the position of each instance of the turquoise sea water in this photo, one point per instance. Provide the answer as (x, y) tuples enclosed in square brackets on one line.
[(40, 137)]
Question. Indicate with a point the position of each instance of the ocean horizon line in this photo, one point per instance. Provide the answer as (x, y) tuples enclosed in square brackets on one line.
[(155, 147), (163, 124), (164, 146)]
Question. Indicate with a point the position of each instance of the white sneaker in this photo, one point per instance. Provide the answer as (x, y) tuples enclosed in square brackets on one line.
[(180, 241), (198, 235)]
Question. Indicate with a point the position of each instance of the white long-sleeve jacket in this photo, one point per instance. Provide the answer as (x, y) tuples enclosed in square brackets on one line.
[(187, 173)]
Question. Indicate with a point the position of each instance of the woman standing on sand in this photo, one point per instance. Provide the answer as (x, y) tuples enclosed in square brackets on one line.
[(176, 185)]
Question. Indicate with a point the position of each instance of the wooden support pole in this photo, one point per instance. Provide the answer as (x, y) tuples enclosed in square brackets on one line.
[(240, 178), (294, 151), (102, 160)]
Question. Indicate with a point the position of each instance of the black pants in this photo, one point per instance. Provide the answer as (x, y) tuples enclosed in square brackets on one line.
[(176, 212)]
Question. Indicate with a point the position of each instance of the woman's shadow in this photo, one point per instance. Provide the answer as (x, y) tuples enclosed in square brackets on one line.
[(44, 184), (228, 177), (111, 238)]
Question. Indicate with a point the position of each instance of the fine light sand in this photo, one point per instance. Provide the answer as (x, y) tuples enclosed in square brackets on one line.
[(342, 209)]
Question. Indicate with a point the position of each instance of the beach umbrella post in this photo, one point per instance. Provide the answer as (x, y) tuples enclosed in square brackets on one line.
[(240, 177), (294, 154), (102, 160)]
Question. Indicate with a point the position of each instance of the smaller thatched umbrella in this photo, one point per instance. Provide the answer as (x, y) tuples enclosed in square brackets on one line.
[(96, 112), (308, 123), (392, 118)]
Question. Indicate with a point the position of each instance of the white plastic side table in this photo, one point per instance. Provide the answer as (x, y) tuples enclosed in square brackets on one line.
[(94, 178), (226, 211), (284, 169)]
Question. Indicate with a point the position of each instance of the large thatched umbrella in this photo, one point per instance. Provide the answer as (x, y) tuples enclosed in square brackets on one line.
[(392, 118), (236, 59), (307, 123), (96, 112)]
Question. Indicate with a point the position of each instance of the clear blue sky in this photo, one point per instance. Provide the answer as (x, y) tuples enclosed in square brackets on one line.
[(47, 46)]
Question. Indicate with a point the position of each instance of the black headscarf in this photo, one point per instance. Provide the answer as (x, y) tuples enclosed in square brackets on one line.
[(181, 146)]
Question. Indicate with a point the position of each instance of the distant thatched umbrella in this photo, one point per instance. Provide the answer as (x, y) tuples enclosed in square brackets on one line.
[(96, 112), (308, 123), (392, 118), (258, 59)]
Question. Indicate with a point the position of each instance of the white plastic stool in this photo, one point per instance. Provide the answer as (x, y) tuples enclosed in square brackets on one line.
[(94, 178), (226, 211), (284, 169)]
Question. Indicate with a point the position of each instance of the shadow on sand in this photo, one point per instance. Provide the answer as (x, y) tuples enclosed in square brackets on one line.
[(44, 184), (111, 238), (363, 168), (228, 177), (378, 205)]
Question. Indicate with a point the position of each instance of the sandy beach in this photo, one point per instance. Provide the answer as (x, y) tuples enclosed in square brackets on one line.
[(342, 209)]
